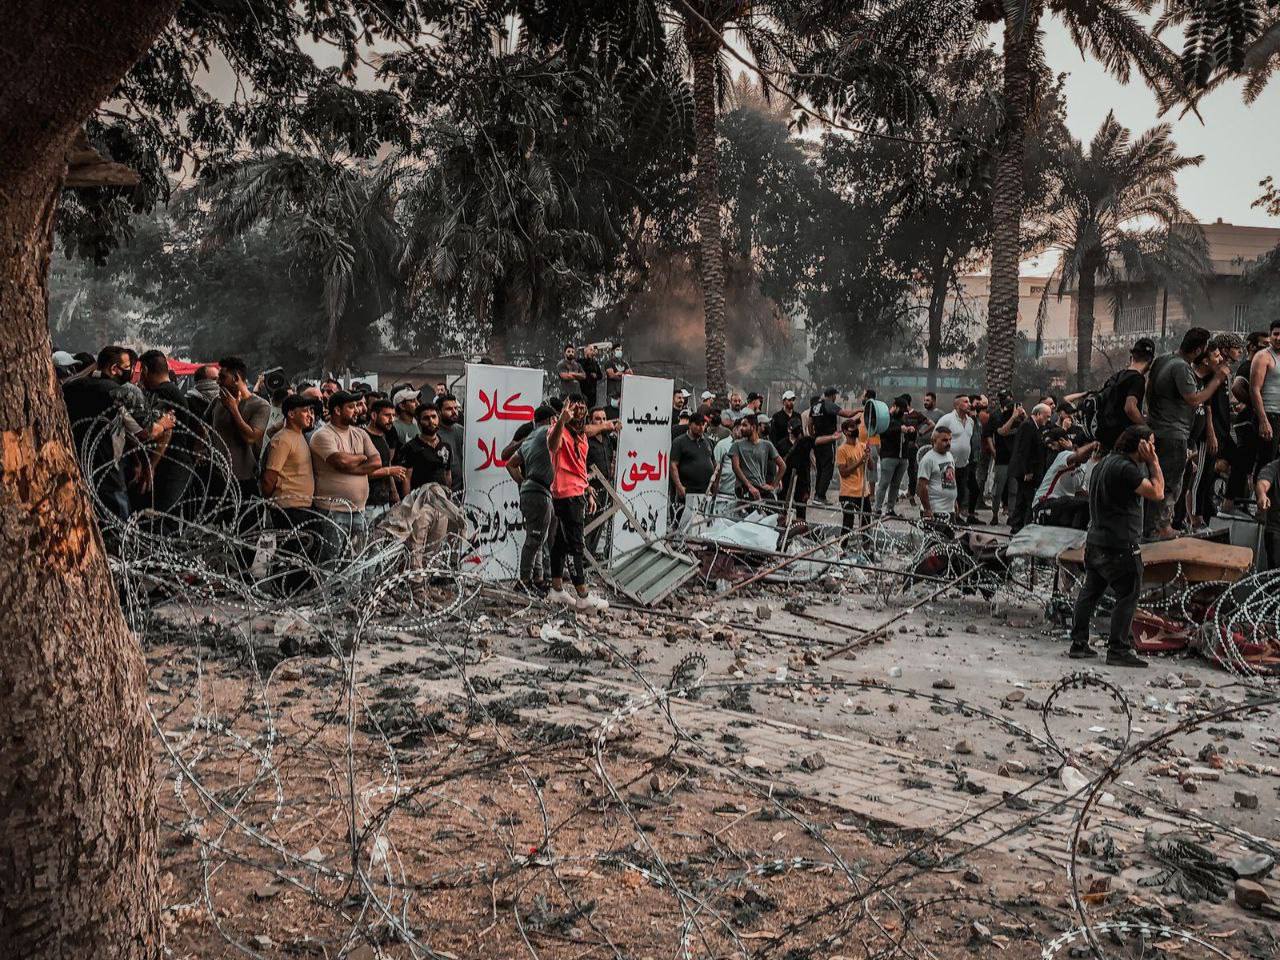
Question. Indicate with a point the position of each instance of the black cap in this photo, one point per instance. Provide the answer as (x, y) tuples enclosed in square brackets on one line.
[(830, 392), (754, 396), (902, 398), (1144, 347), (341, 397)]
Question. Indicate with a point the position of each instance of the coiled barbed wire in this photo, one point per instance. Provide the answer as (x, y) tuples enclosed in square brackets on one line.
[(205, 570)]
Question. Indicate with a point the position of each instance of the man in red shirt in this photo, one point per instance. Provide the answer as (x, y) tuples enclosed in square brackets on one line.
[(567, 442)]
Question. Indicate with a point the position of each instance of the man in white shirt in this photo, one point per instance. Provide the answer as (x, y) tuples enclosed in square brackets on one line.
[(1061, 499), (936, 483), (961, 424)]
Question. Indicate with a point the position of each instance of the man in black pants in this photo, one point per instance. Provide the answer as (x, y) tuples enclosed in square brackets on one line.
[(1112, 557), (822, 417)]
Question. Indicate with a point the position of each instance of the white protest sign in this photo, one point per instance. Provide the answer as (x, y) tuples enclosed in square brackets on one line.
[(498, 401), (644, 447)]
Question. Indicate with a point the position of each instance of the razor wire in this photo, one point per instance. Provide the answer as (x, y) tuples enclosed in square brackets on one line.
[(214, 574)]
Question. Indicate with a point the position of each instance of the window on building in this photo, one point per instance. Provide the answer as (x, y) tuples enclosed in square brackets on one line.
[(1240, 318), (1136, 319)]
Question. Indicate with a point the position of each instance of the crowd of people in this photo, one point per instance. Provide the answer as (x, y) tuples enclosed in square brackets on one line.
[(1200, 425)]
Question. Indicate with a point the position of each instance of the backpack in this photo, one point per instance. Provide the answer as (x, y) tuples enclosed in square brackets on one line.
[(1092, 409), (1097, 409)]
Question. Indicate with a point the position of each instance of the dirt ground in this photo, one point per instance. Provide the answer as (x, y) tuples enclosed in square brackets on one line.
[(480, 853), (452, 794)]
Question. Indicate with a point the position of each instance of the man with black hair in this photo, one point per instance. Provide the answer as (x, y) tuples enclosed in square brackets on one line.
[(427, 458), (824, 417), (893, 463), (343, 457), (1173, 397), (1125, 391), (451, 432), (172, 457), (783, 423), (692, 460), (328, 387), (1118, 486), (240, 423), (390, 484), (288, 481), (569, 371), (1264, 395), (752, 459), (567, 444), (531, 467), (104, 415), (592, 374)]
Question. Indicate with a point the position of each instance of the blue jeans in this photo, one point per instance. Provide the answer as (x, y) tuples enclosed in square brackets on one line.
[(340, 533)]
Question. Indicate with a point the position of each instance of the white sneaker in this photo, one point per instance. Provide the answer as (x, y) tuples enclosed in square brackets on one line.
[(593, 603), (562, 596)]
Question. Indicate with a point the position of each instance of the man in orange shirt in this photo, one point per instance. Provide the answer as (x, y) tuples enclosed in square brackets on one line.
[(570, 493), (851, 464)]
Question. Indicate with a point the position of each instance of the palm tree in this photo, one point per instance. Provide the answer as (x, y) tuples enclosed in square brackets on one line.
[(702, 25), (1118, 217), (1109, 31), (337, 217)]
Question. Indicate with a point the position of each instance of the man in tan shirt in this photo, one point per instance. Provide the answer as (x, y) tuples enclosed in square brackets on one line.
[(343, 457), (288, 481)]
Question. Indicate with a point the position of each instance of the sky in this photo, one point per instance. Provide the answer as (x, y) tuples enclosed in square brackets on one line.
[(1240, 143)]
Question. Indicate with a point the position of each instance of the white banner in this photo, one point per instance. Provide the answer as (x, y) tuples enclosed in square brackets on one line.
[(643, 471), (498, 401)]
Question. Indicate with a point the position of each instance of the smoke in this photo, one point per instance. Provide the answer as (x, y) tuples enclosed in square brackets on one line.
[(663, 327)]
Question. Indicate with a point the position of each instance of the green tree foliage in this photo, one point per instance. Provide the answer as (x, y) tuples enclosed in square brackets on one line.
[(1117, 217)]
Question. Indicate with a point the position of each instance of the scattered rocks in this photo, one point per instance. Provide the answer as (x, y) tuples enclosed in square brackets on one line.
[(1246, 800), (943, 684), (971, 876), (962, 747), (1251, 895), (814, 762), (764, 612)]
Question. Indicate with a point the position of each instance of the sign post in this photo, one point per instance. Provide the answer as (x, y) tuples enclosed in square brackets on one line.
[(498, 401), (643, 472)]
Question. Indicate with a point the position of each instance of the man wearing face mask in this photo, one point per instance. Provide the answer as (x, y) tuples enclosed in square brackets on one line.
[(204, 391), (614, 372), (1173, 397), (104, 414)]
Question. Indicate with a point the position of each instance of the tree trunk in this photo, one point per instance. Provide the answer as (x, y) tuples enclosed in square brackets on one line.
[(499, 325), (1085, 298), (703, 48), (77, 801), (937, 306), (1006, 204)]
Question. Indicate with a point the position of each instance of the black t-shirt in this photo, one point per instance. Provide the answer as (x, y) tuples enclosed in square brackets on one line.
[(891, 439), (167, 396), (824, 414), (695, 461), (780, 425), (380, 488), (1004, 444), (796, 464), (600, 454), (428, 464), (1115, 509), (591, 383), (1114, 421)]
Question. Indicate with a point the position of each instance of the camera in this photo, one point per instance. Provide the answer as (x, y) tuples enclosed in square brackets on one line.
[(274, 379)]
